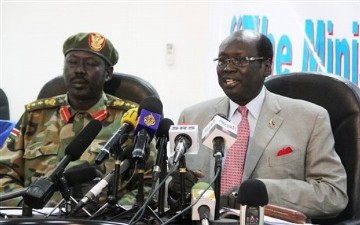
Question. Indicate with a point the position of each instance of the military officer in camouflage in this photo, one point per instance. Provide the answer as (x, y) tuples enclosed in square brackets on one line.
[(38, 141)]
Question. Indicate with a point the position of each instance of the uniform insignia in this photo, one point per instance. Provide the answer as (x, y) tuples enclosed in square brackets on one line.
[(44, 103), (15, 132), (96, 41), (65, 113), (118, 103), (8, 139), (50, 102), (100, 115)]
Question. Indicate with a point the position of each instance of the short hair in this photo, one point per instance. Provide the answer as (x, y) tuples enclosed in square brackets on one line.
[(265, 47)]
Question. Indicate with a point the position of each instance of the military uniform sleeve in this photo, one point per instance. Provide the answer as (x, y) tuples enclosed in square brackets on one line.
[(12, 163)]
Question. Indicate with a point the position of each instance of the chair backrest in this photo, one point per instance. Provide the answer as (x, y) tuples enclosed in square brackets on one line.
[(122, 85), (341, 98), (4, 106)]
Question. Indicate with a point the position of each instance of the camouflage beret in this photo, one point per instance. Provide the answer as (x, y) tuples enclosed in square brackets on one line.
[(94, 43)]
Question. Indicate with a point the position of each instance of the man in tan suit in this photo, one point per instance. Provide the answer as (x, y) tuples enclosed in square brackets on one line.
[(291, 145)]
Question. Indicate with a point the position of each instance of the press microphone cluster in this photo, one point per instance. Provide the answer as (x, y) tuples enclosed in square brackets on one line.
[(148, 122), (128, 121), (252, 196), (183, 139), (39, 193)]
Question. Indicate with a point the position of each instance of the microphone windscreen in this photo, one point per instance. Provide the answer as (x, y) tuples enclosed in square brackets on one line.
[(78, 145), (150, 116), (75, 176), (151, 104), (164, 126), (253, 192), (130, 117)]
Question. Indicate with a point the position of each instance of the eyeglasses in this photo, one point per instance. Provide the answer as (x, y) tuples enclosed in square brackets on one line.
[(237, 61)]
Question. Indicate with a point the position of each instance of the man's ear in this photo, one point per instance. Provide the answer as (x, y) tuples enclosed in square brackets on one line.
[(268, 67), (109, 74)]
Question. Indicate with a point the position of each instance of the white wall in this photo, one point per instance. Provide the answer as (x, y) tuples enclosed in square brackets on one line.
[(33, 33)]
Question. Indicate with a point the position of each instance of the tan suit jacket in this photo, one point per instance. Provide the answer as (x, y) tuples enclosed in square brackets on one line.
[(310, 179)]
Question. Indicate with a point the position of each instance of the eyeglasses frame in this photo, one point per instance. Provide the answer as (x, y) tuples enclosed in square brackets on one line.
[(247, 59)]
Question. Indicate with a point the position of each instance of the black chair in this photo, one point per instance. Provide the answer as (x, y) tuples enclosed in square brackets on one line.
[(122, 85), (4, 106), (341, 98)]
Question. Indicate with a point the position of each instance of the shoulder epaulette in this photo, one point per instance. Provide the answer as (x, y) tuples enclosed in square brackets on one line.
[(45, 103), (118, 103)]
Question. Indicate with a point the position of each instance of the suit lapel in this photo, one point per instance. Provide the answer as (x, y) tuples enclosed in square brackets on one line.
[(267, 125), (221, 105)]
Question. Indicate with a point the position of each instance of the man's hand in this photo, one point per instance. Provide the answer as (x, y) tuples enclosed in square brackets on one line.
[(191, 177)]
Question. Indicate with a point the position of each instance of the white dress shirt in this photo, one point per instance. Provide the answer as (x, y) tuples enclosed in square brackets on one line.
[(254, 107)]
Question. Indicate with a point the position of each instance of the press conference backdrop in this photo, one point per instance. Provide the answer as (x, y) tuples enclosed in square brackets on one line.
[(172, 43), (307, 36)]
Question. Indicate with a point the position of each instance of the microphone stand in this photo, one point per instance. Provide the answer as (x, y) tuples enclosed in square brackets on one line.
[(65, 191), (182, 171), (113, 198), (181, 204), (162, 175), (218, 146), (217, 193), (161, 197)]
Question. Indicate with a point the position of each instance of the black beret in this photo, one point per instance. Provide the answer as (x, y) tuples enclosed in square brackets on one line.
[(94, 43)]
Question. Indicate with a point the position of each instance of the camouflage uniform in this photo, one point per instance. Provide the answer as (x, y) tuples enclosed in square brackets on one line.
[(38, 141)]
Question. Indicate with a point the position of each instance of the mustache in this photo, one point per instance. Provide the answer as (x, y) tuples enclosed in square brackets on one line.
[(78, 78)]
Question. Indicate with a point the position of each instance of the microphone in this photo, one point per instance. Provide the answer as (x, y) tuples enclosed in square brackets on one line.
[(148, 123), (39, 193), (75, 176), (69, 183), (128, 121), (252, 197), (183, 138), (94, 192), (218, 134), (204, 209), (162, 135)]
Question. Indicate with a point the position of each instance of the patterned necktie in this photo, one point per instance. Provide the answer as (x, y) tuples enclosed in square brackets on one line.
[(234, 162)]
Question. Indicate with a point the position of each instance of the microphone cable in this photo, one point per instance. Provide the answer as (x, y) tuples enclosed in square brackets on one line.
[(194, 203)]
